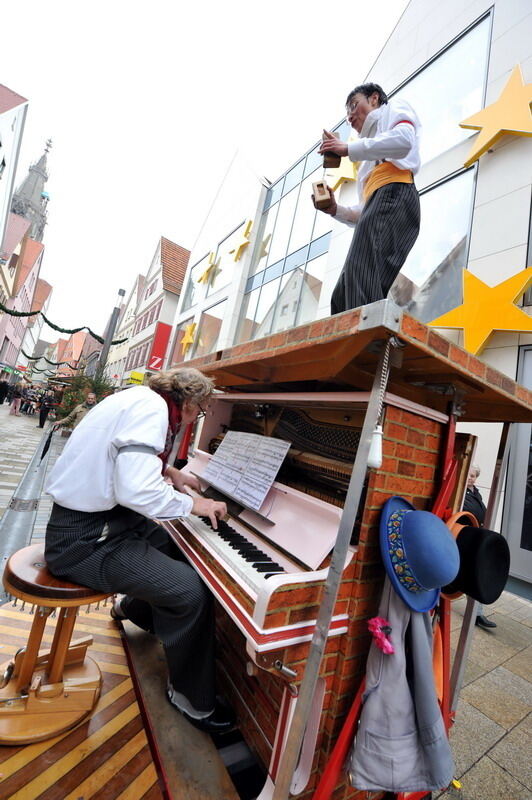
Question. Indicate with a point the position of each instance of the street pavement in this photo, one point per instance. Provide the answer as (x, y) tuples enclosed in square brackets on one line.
[(19, 437), (492, 737)]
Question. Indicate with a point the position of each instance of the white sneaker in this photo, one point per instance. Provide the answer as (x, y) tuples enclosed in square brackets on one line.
[(116, 609)]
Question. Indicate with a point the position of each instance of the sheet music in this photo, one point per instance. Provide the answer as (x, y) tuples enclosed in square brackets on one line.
[(245, 466)]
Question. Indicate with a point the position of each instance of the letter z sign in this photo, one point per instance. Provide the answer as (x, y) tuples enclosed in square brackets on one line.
[(160, 343)]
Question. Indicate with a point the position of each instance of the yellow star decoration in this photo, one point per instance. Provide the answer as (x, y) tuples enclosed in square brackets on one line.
[(347, 171), (209, 276), (509, 114), (263, 252), (188, 338), (488, 308), (243, 243)]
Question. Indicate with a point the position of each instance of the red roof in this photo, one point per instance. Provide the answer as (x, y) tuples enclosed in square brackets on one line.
[(29, 254), (9, 99), (42, 291), (174, 260), (16, 227)]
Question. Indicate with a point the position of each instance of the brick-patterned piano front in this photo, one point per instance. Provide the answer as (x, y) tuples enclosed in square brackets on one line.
[(324, 371), (265, 625)]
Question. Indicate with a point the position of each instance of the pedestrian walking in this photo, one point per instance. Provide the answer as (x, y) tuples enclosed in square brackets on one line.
[(78, 412), (47, 402), (16, 400)]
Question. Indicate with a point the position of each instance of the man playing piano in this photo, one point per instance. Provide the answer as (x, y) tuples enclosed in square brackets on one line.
[(387, 217), (114, 477)]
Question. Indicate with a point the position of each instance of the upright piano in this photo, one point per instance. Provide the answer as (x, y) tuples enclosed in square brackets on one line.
[(310, 386)]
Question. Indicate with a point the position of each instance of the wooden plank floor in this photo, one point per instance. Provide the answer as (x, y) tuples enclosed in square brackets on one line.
[(191, 763), (106, 757)]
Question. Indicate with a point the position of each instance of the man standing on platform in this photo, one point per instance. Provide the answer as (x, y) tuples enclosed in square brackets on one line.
[(387, 216), (474, 503)]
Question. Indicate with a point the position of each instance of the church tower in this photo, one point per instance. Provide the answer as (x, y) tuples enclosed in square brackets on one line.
[(31, 200)]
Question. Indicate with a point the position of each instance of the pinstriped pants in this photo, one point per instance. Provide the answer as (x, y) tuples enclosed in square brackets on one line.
[(165, 596), (384, 235)]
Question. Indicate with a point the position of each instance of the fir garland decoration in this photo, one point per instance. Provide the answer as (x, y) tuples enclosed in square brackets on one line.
[(53, 363), (14, 313)]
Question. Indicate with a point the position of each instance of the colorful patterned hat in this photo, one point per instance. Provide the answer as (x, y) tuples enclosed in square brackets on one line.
[(419, 553)]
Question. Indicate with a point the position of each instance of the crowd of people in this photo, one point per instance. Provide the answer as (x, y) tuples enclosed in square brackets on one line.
[(25, 398)]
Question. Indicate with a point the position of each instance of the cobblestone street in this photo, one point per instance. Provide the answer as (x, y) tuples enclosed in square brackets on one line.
[(19, 437)]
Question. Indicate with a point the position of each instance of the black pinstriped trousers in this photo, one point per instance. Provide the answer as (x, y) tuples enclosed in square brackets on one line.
[(165, 596), (384, 235)]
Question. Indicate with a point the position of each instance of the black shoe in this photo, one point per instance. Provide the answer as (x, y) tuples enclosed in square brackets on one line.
[(484, 622), (221, 720)]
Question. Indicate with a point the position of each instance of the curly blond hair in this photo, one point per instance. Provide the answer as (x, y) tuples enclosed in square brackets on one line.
[(185, 383)]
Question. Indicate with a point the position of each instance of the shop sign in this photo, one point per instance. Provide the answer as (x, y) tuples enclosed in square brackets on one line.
[(136, 377), (160, 343)]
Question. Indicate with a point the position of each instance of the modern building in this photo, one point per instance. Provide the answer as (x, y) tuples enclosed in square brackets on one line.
[(155, 311), (13, 110), (466, 67)]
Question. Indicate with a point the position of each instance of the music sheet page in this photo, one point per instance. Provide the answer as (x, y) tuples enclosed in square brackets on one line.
[(245, 466)]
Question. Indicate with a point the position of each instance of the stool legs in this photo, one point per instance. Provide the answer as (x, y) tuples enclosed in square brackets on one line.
[(60, 644), (32, 648)]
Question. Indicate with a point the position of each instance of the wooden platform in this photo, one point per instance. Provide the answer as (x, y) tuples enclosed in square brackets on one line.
[(193, 769), (106, 757)]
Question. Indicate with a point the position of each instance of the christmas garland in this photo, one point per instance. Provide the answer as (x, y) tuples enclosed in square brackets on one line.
[(14, 313), (53, 363)]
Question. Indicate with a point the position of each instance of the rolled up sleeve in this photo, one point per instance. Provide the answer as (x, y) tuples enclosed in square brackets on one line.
[(139, 485), (395, 143)]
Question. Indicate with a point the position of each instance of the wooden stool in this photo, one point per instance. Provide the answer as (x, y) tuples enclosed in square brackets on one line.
[(46, 692)]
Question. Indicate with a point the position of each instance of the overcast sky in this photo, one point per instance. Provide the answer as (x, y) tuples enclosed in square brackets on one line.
[(146, 104)]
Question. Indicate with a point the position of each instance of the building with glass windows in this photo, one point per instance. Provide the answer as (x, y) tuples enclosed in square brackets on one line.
[(277, 260)]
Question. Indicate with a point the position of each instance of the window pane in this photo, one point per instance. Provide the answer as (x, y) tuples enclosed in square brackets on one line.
[(448, 90), (247, 316), (319, 246), (294, 176), (194, 289), (178, 355), (288, 301), (264, 239), (274, 193), (304, 217), (296, 259), (323, 224), (265, 309), (311, 291), (209, 329), (226, 266), (314, 160), (434, 266), (283, 225)]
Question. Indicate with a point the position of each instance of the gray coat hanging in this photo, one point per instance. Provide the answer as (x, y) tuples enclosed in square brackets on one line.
[(401, 744)]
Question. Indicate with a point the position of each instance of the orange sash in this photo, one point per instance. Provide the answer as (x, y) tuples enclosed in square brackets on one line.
[(382, 174)]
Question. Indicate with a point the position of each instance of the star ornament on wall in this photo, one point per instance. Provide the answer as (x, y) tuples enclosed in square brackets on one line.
[(347, 171), (188, 337), (244, 241), (209, 275), (487, 309), (510, 114)]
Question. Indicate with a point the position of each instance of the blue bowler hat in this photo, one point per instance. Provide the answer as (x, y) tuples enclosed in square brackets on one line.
[(419, 553)]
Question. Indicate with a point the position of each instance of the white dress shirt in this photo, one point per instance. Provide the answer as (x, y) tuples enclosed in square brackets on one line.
[(390, 132), (112, 459)]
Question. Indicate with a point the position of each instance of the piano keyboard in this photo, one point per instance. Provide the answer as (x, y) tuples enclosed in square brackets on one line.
[(252, 560)]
